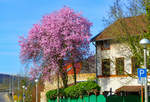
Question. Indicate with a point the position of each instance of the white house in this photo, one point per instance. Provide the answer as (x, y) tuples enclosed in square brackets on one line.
[(115, 63)]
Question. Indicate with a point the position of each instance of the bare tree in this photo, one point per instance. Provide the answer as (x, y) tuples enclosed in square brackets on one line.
[(129, 21)]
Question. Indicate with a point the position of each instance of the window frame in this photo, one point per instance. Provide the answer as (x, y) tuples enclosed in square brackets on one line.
[(133, 72), (102, 45), (104, 69), (117, 67)]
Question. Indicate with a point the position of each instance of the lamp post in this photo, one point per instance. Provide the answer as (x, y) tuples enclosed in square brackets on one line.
[(23, 87), (36, 81), (145, 42)]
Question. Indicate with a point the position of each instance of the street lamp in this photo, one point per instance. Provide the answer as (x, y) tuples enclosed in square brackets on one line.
[(23, 87), (145, 42), (36, 81)]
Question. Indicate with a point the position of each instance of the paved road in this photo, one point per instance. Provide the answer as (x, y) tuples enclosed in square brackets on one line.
[(4, 97)]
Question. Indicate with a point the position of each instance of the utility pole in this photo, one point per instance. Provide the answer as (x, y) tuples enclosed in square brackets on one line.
[(18, 87), (145, 42), (9, 84), (11, 87), (12, 84), (23, 87), (36, 82), (145, 65), (142, 92)]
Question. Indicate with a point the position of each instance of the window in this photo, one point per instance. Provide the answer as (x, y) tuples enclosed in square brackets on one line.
[(119, 66), (135, 65), (106, 67), (105, 45)]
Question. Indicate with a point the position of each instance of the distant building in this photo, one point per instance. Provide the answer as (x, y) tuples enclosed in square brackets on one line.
[(4, 81)]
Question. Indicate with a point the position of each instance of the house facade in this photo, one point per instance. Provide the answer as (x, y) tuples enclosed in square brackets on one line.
[(116, 66)]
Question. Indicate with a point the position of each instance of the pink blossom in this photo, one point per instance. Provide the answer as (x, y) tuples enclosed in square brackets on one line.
[(59, 35)]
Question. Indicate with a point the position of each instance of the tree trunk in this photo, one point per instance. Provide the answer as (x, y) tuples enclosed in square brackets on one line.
[(58, 87), (64, 75), (74, 71)]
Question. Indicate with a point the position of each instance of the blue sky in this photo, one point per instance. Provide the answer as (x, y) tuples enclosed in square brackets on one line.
[(18, 16)]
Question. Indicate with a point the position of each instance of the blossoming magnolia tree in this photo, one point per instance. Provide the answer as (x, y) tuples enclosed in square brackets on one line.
[(59, 37)]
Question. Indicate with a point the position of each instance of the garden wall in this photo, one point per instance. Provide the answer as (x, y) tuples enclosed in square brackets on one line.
[(53, 84)]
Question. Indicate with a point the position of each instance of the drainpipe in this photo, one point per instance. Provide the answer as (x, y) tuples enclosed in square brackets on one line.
[(96, 62)]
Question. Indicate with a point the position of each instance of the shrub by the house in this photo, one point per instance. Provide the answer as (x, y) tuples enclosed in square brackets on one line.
[(80, 89)]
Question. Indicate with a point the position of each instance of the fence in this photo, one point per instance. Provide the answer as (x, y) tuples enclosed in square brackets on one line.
[(92, 98), (101, 98), (130, 98)]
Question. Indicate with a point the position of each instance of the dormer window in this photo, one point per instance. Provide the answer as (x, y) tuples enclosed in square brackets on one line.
[(105, 45)]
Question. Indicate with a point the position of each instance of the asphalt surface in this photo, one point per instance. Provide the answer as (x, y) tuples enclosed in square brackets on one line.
[(4, 97)]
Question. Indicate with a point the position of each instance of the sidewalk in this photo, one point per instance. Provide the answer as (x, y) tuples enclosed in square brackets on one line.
[(8, 98)]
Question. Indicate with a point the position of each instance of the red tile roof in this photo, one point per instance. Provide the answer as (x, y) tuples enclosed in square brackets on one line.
[(128, 89), (130, 25)]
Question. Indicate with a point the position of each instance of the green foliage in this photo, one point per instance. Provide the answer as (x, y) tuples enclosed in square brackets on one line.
[(52, 94), (80, 89), (91, 85), (28, 92), (147, 6), (72, 91)]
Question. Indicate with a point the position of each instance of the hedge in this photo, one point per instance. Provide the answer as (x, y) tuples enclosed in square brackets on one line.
[(80, 89), (52, 94)]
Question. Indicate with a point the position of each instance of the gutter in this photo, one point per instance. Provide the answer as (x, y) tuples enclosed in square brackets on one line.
[(96, 62)]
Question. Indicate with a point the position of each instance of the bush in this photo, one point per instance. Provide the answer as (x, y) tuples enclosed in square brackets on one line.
[(91, 85), (80, 89), (52, 94), (72, 91)]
